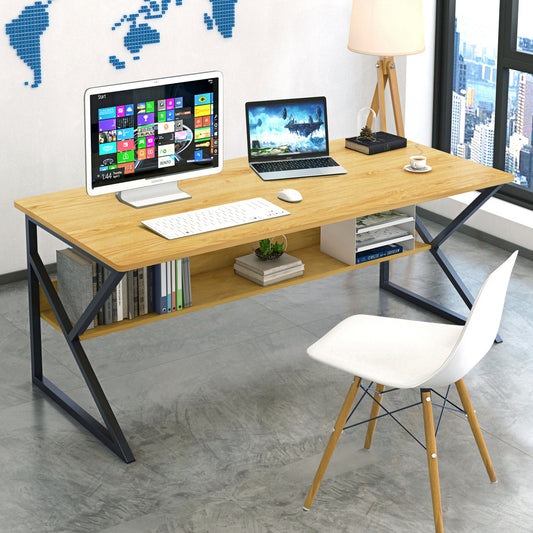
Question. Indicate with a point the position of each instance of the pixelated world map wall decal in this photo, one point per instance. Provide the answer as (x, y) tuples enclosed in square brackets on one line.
[(25, 31)]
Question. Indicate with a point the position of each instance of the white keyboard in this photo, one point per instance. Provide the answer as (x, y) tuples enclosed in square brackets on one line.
[(214, 218)]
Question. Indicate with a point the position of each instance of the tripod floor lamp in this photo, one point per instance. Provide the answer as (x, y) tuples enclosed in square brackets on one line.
[(387, 28)]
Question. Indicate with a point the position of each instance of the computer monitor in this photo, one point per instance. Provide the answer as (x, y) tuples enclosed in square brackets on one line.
[(142, 137)]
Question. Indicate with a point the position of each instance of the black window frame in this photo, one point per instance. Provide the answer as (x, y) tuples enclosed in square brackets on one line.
[(509, 58)]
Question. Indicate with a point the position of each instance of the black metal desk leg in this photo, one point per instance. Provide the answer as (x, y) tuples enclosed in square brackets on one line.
[(444, 263), (110, 434)]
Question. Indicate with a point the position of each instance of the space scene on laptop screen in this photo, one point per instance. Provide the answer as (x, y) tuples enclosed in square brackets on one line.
[(287, 128)]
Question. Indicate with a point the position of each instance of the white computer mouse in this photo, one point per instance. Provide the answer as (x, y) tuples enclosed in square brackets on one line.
[(290, 195)]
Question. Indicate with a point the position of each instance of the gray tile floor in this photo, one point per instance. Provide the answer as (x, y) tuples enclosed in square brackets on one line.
[(228, 419)]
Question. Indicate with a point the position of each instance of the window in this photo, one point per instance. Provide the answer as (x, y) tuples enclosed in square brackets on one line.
[(483, 100)]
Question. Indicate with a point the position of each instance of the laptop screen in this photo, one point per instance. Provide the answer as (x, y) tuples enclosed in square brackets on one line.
[(281, 129)]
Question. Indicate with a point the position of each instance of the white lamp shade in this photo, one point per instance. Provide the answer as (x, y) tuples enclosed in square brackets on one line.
[(387, 27)]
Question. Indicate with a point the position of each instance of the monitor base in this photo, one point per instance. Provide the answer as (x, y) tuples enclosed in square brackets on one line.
[(152, 195)]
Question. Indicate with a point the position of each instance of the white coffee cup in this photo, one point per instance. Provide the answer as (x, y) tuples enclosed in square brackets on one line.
[(418, 162)]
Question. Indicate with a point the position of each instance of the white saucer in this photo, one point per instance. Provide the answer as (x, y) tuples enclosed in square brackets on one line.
[(409, 168)]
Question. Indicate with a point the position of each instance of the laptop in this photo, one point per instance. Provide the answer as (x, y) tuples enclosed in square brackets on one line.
[(289, 139)]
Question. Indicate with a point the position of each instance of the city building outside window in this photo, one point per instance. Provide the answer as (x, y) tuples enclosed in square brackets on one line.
[(484, 87)]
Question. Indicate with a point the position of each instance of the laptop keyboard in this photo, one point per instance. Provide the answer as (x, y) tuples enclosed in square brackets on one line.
[(295, 164)]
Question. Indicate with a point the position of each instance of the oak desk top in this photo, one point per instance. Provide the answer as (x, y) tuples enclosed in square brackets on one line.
[(112, 231)]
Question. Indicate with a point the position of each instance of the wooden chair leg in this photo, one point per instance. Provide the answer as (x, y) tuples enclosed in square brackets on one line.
[(373, 413), (431, 448), (476, 430), (335, 435)]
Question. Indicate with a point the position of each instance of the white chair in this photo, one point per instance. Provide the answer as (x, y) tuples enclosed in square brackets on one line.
[(405, 354)]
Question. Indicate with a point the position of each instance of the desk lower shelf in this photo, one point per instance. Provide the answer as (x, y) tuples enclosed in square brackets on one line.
[(223, 285)]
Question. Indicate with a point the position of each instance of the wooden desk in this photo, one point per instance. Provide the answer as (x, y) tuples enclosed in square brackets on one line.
[(112, 234)]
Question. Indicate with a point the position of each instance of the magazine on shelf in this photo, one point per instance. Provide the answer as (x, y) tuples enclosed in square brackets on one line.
[(381, 220), (381, 237)]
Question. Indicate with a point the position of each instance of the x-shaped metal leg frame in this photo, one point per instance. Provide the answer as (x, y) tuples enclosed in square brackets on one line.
[(111, 434), (444, 263)]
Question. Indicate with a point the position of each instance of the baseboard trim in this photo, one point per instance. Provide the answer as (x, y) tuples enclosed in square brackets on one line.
[(22, 275), (476, 234)]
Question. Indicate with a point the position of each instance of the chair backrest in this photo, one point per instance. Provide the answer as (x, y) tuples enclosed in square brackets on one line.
[(480, 329)]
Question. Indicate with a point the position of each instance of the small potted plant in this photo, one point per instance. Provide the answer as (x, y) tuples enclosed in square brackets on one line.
[(269, 250)]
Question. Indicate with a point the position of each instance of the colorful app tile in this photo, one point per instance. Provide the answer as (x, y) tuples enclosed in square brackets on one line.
[(145, 120), (102, 169), (181, 135), (198, 121), (150, 107), (165, 127), (178, 102), (165, 149), (201, 99), (170, 103), (150, 141), (178, 125), (106, 125), (161, 105), (107, 137), (126, 133), (202, 110), (128, 168), (202, 133), (206, 121), (107, 113), (112, 167), (124, 146), (141, 154), (198, 155), (129, 110), (150, 152), (107, 148), (141, 107), (125, 157), (161, 116), (165, 161), (121, 111), (183, 112), (125, 122), (170, 115), (141, 142)]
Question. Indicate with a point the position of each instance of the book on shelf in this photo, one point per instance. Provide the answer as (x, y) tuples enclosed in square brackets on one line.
[(390, 235), (253, 263), (381, 220), (140, 291), (75, 284), (383, 142), (268, 272), (378, 253), (272, 278)]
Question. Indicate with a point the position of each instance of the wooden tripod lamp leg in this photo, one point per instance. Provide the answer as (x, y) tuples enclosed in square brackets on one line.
[(476, 430), (431, 448), (395, 96), (337, 430), (382, 81)]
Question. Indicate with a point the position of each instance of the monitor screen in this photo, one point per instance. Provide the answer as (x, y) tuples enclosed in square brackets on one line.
[(295, 127), (151, 132)]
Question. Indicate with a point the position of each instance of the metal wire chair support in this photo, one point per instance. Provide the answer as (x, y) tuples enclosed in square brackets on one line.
[(369, 390)]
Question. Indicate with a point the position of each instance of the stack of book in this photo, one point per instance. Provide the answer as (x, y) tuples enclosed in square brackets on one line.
[(382, 142), (268, 272), (160, 288)]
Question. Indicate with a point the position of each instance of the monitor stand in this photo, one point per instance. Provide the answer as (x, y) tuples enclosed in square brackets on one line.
[(152, 195)]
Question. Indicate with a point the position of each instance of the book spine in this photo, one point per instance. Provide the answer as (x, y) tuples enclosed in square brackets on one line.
[(160, 289), (129, 281), (120, 315), (371, 255), (100, 274), (135, 293), (95, 287), (168, 286), (173, 272), (150, 288), (179, 284), (141, 283)]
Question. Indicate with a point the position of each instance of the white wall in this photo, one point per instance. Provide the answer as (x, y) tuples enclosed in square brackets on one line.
[(278, 49)]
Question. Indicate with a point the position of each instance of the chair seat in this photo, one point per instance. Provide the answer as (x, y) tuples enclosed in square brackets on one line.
[(390, 351)]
